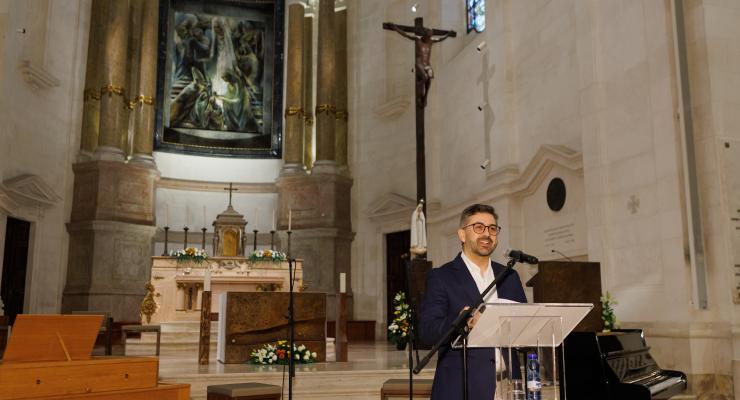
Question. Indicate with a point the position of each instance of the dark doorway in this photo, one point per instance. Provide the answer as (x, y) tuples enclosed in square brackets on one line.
[(396, 245), (15, 264)]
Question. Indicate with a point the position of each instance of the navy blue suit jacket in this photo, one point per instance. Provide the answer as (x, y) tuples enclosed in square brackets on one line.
[(450, 288)]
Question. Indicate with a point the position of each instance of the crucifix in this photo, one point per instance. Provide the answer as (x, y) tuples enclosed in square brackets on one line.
[(423, 38), (230, 189)]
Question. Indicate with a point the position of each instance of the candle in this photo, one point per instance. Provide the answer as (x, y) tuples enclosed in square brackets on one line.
[(187, 216), (204, 216), (290, 218), (256, 210), (207, 280), (273, 219), (342, 282), (166, 215)]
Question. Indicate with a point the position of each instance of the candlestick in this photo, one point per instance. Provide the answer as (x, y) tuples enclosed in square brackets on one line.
[(166, 231), (290, 219), (272, 239), (185, 242), (289, 233), (342, 282), (255, 240), (203, 240)]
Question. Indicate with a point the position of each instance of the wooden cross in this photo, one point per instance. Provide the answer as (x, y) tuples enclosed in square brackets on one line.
[(230, 189), (423, 38)]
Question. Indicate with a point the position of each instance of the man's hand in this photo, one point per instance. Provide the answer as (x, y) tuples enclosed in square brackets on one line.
[(473, 319)]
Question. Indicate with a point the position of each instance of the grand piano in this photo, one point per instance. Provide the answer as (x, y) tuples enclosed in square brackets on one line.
[(616, 365)]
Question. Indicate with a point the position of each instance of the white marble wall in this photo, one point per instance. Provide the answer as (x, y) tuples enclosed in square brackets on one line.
[(39, 129), (597, 78)]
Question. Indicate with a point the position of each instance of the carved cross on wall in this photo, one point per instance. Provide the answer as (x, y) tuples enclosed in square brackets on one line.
[(423, 38), (230, 189)]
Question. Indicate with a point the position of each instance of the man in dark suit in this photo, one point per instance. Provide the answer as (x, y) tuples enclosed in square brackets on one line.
[(457, 285)]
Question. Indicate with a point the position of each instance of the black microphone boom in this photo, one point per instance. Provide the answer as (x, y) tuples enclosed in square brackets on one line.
[(521, 257)]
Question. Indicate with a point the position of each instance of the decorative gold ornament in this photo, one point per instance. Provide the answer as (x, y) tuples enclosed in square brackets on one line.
[(290, 111), (149, 306), (326, 108), (308, 119), (341, 115), (140, 99), (91, 94)]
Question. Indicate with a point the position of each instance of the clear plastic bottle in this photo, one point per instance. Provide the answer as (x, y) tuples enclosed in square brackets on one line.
[(534, 384)]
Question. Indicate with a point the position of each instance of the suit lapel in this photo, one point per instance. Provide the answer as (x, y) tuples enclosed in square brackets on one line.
[(465, 281)]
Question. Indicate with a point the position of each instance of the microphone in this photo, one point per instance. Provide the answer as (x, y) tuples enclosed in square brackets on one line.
[(522, 257)]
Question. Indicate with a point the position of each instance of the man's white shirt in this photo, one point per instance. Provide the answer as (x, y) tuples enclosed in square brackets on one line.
[(482, 280)]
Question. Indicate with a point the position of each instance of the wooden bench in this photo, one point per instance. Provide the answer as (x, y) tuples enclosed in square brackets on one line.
[(125, 329), (400, 388), (244, 391)]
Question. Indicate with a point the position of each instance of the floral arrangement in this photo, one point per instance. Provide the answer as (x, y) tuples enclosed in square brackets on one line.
[(398, 330), (607, 312), (279, 353), (190, 254), (267, 255)]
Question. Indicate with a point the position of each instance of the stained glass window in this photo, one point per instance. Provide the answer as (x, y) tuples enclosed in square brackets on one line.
[(476, 15)]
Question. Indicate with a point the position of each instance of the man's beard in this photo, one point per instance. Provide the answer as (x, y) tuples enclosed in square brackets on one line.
[(479, 250)]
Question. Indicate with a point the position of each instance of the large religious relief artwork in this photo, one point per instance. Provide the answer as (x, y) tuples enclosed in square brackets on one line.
[(218, 91)]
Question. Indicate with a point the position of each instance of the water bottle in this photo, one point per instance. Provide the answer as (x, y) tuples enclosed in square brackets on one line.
[(534, 384)]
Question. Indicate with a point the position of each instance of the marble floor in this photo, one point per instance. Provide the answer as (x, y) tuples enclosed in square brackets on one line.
[(370, 364)]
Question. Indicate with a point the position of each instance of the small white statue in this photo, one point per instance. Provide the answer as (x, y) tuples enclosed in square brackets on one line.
[(418, 231)]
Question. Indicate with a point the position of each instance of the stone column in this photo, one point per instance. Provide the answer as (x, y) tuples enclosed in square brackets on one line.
[(143, 101), (91, 106), (113, 106), (293, 92), (308, 104), (325, 107), (340, 88)]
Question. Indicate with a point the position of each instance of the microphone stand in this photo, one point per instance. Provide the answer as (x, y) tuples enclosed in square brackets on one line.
[(459, 327), (412, 325), (291, 323)]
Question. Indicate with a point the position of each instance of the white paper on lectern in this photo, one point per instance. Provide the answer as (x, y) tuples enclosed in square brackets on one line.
[(526, 325)]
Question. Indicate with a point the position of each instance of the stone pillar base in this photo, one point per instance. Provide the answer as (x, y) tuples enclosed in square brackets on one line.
[(322, 229), (110, 238), (109, 153), (144, 160), (108, 268), (292, 169), (325, 167)]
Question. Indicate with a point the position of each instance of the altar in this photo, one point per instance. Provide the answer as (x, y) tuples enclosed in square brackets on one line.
[(178, 287)]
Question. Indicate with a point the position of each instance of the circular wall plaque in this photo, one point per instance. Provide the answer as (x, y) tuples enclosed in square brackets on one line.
[(556, 194)]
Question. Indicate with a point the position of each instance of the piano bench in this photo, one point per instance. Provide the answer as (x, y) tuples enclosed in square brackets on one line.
[(244, 391), (400, 388), (126, 329)]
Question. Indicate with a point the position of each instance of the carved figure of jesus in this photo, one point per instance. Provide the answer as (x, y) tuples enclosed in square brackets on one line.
[(423, 38)]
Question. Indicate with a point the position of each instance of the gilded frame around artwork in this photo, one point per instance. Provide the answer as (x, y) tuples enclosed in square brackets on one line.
[(219, 78)]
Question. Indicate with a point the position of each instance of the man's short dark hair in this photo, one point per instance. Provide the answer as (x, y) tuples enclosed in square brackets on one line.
[(475, 209)]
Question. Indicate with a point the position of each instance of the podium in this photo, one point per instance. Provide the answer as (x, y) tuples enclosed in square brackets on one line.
[(514, 326)]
